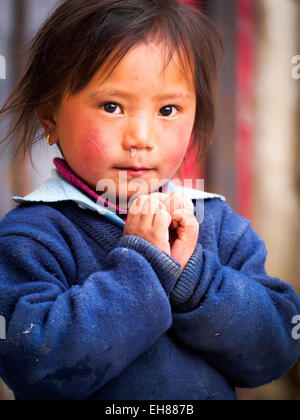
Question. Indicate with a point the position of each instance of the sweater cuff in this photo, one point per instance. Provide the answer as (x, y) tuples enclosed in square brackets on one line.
[(167, 269), (189, 280)]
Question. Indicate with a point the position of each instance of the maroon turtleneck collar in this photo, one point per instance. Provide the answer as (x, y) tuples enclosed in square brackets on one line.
[(66, 172)]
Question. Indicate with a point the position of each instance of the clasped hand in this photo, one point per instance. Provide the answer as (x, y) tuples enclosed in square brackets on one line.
[(167, 221)]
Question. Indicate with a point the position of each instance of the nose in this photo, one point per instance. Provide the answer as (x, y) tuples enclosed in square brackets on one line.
[(139, 133)]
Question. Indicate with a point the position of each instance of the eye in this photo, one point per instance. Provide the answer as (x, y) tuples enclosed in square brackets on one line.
[(110, 107), (167, 110)]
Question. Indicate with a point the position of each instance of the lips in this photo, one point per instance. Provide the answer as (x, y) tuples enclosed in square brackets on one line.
[(134, 168), (135, 172)]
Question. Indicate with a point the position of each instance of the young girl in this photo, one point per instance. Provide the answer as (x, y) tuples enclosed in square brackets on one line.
[(110, 286)]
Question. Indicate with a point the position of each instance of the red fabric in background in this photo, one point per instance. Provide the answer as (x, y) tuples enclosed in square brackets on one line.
[(190, 2), (190, 169), (245, 126)]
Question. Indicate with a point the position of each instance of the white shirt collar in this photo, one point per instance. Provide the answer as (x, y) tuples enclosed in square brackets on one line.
[(58, 189)]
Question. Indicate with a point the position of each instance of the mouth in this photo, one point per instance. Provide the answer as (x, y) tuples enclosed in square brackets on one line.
[(134, 168), (135, 171)]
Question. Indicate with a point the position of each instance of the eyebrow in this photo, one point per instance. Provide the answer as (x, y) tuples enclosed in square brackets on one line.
[(119, 93)]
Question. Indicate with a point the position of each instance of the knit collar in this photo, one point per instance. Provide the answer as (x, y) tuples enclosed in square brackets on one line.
[(58, 189)]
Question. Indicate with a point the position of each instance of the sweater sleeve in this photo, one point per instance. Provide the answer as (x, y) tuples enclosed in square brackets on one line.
[(66, 342), (228, 308)]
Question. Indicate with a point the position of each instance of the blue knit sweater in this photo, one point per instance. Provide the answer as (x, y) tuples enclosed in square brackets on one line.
[(94, 314)]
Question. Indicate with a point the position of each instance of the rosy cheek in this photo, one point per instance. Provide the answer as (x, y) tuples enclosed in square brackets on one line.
[(181, 141), (91, 152), (93, 142), (177, 150), (184, 138)]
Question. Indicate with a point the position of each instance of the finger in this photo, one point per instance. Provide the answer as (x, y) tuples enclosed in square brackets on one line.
[(160, 196), (137, 205), (175, 224), (162, 220), (133, 219), (184, 219), (178, 200), (150, 207)]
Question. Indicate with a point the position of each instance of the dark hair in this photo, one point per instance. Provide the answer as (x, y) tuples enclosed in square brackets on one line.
[(80, 36)]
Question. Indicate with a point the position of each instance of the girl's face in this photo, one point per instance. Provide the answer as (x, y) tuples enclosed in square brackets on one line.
[(138, 106)]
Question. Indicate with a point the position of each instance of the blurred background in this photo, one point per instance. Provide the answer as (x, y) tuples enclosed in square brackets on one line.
[(253, 159)]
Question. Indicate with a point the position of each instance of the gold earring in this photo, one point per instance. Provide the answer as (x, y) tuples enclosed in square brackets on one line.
[(48, 140)]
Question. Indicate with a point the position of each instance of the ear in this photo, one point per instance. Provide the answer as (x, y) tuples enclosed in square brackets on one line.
[(46, 115)]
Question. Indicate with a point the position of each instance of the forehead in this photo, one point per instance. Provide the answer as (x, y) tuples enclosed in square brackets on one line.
[(147, 62)]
